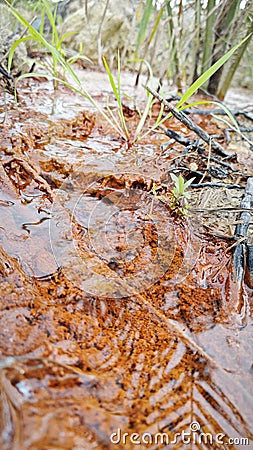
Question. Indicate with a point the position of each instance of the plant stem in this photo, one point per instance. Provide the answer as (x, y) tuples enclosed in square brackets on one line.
[(208, 39)]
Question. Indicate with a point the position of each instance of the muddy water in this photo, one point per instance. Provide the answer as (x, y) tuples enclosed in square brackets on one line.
[(116, 317)]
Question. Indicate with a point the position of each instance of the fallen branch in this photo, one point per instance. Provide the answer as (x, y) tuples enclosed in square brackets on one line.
[(186, 142), (222, 163), (190, 124), (194, 144), (246, 129), (216, 185), (242, 258), (228, 209)]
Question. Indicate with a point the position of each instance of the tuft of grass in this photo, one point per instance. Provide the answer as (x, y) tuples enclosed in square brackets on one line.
[(117, 92), (116, 88), (179, 196), (38, 37), (179, 203)]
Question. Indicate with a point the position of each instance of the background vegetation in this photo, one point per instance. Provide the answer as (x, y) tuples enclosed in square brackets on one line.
[(179, 39)]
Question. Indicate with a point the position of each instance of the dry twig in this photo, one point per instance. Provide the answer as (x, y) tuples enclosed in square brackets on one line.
[(190, 124)]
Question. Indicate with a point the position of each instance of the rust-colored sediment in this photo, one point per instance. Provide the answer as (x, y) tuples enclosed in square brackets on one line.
[(114, 314)]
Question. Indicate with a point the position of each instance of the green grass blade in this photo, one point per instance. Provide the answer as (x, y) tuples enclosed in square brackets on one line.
[(188, 183), (121, 114), (229, 76), (13, 48), (143, 117), (116, 91), (174, 177), (78, 57), (119, 91), (211, 102), (111, 79), (148, 8), (147, 107), (52, 20), (155, 27), (208, 73), (35, 74), (65, 35), (37, 37), (115, 121), (159, 117), (180, 184)]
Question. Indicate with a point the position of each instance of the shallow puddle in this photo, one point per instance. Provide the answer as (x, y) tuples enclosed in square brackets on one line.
[(121, 326)]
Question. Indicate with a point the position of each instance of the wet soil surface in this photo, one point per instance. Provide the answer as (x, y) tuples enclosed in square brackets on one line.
[(121, 325)]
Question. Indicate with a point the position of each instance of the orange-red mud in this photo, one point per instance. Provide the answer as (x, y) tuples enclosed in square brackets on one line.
[(116, 317)]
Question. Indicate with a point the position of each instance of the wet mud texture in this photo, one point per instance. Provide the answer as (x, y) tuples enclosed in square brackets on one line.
[(106, 298)]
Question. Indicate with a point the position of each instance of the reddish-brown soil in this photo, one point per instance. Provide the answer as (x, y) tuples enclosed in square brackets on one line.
[(115, 314)]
